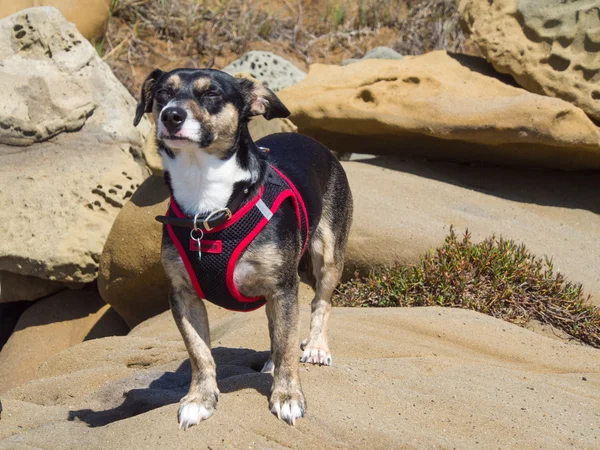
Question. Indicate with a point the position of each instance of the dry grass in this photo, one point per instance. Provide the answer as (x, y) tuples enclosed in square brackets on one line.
[(431, 25), (495, 277), (144, 34)]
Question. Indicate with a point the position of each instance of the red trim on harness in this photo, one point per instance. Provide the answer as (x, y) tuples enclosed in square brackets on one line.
[(298, 198), (245, 242), (206, 246), (237, 216), (184, 258)]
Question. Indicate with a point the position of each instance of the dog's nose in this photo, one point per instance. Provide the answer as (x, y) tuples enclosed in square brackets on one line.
[(173, 118)]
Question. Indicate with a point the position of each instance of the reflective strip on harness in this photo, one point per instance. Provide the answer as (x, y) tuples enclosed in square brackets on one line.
[(264, 209)]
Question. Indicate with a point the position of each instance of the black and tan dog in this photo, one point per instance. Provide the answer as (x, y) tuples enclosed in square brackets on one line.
[(278, 200)]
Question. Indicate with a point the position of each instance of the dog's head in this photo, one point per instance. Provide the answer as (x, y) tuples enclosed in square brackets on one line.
[(203, 108)]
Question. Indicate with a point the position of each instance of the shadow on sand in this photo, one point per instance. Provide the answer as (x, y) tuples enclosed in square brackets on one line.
[(237, 369), (545, 187)]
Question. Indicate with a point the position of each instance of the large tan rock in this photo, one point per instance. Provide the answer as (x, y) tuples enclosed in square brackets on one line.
[(131, 277), (402, 378), (59, 205), (52, 325), (439, 106), (89, 16), (16, 288), (550, 47), (61, 191), (260, 127), (57, 82)]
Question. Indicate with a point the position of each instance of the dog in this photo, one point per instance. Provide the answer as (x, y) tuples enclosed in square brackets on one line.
[(286, 198)]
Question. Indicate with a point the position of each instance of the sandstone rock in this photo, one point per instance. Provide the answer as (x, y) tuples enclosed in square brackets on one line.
[(272, 70), (550, 47), (56, 82), (16, 288), (440, 106), (60, 205), (151, 155), (89, 16), (376, 53), (52, 325), (425, 372), (131, 277), (260, 127), (63, 189)]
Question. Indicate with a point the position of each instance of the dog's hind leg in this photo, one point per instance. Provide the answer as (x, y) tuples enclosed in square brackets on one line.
[(190, 315), (327, 270), (326, 251), (286, 400)]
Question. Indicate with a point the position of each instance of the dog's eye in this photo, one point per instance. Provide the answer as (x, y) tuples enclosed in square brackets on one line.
[(163, 96), (212, 94)]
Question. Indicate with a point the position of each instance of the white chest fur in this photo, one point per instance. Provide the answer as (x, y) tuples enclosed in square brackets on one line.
[(201, 182)]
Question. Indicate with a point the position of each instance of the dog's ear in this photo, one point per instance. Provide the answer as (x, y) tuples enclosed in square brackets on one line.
[(261, 100), (146, 97)]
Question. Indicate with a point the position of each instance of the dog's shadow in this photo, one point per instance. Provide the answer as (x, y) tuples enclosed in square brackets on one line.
[(237, 369)]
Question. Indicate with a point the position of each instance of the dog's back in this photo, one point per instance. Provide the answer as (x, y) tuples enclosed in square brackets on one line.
[(323, 185), (315, 172)]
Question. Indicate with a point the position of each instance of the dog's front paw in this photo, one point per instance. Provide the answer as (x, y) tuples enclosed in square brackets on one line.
[(288, 405), (315, 353), (193, 410)]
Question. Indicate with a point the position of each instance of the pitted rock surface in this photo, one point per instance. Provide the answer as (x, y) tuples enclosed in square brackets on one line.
[(54, 81), (440, 105), (272, 70), (69, 154), (550, 47)]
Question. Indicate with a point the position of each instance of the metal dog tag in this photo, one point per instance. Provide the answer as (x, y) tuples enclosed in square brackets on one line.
[(198, 240)]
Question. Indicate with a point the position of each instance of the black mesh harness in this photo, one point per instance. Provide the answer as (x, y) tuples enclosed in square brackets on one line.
[(210, 256)]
